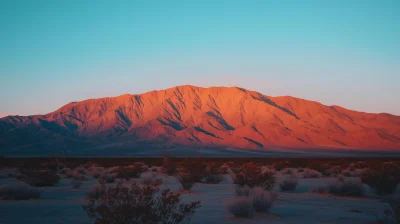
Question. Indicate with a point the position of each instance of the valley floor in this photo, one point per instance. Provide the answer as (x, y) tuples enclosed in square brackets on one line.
[(63, 204)]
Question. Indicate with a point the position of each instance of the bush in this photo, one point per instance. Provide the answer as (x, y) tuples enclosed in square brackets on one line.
[(334, 171), (347, 188), (262, 200), (139, 204), (107, 177), (213, 179), (80, 170), (342, 188), (287, 171), (242, 207), (18, 192), (131, 171), (299, 170), (151, 178), (213, 174), (195, 168), (186, 180), (310, 173), (40, 178), (253, 175), (289, 183), (383, 179), (243, 191), (95, 171), (169, 166)]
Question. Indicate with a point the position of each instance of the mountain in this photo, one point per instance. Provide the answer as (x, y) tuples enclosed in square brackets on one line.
[(195, 117)]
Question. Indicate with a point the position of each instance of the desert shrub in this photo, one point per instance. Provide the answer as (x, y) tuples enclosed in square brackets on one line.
[(334, 171), (169, 166), (95, 191), (131, 171), (190, 172), (18, 192), (139, 204), (268, 169), (186, 180), (342, 188), (242, 207), (242, 191), (213, 174), (252, 175), (289, 183), (226, 167), (287, 171), (347, 188), (107, 177), (213, 179), (310, 173), (80, 170), (262, 200), (40, 178), (151, 178), (76, 183), (281, 165), (95, 171), (195, 168), (383, 179)]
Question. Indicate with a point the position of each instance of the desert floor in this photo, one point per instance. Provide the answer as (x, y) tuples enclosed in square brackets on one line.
[(63, 204)]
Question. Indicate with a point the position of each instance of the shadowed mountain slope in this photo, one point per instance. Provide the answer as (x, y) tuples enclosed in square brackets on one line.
[(190, 116)]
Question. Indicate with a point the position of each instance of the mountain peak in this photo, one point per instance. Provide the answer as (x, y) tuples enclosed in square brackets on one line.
[(192, 116)]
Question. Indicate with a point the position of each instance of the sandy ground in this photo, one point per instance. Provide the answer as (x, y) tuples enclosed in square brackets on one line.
[(63, 204)]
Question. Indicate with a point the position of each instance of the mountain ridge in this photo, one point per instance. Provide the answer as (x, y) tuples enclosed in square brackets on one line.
[(191, 116)]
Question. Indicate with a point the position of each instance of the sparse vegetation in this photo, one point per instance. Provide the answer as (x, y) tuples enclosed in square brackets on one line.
[(131, 171), (213, 174), (186, 180), (39, 178), (169, 166), (251, 200), (262, 200), (252, 175), (287, 171), (384, 178), (242, 207), (310, 173), (107, 177), (242, 191), (18, 192), (139, 204), (151, 178), (289, 183), (346, 187)]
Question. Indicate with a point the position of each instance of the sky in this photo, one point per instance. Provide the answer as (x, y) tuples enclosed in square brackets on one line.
[(342, 52)]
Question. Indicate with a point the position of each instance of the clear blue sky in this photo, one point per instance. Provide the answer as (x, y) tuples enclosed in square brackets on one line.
[(337, 52)]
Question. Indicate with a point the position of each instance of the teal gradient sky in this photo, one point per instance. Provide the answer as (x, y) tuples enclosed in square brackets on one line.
[(336, 52)]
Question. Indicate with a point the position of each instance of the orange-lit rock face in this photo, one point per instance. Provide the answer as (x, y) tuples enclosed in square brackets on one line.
[(217, 116)]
